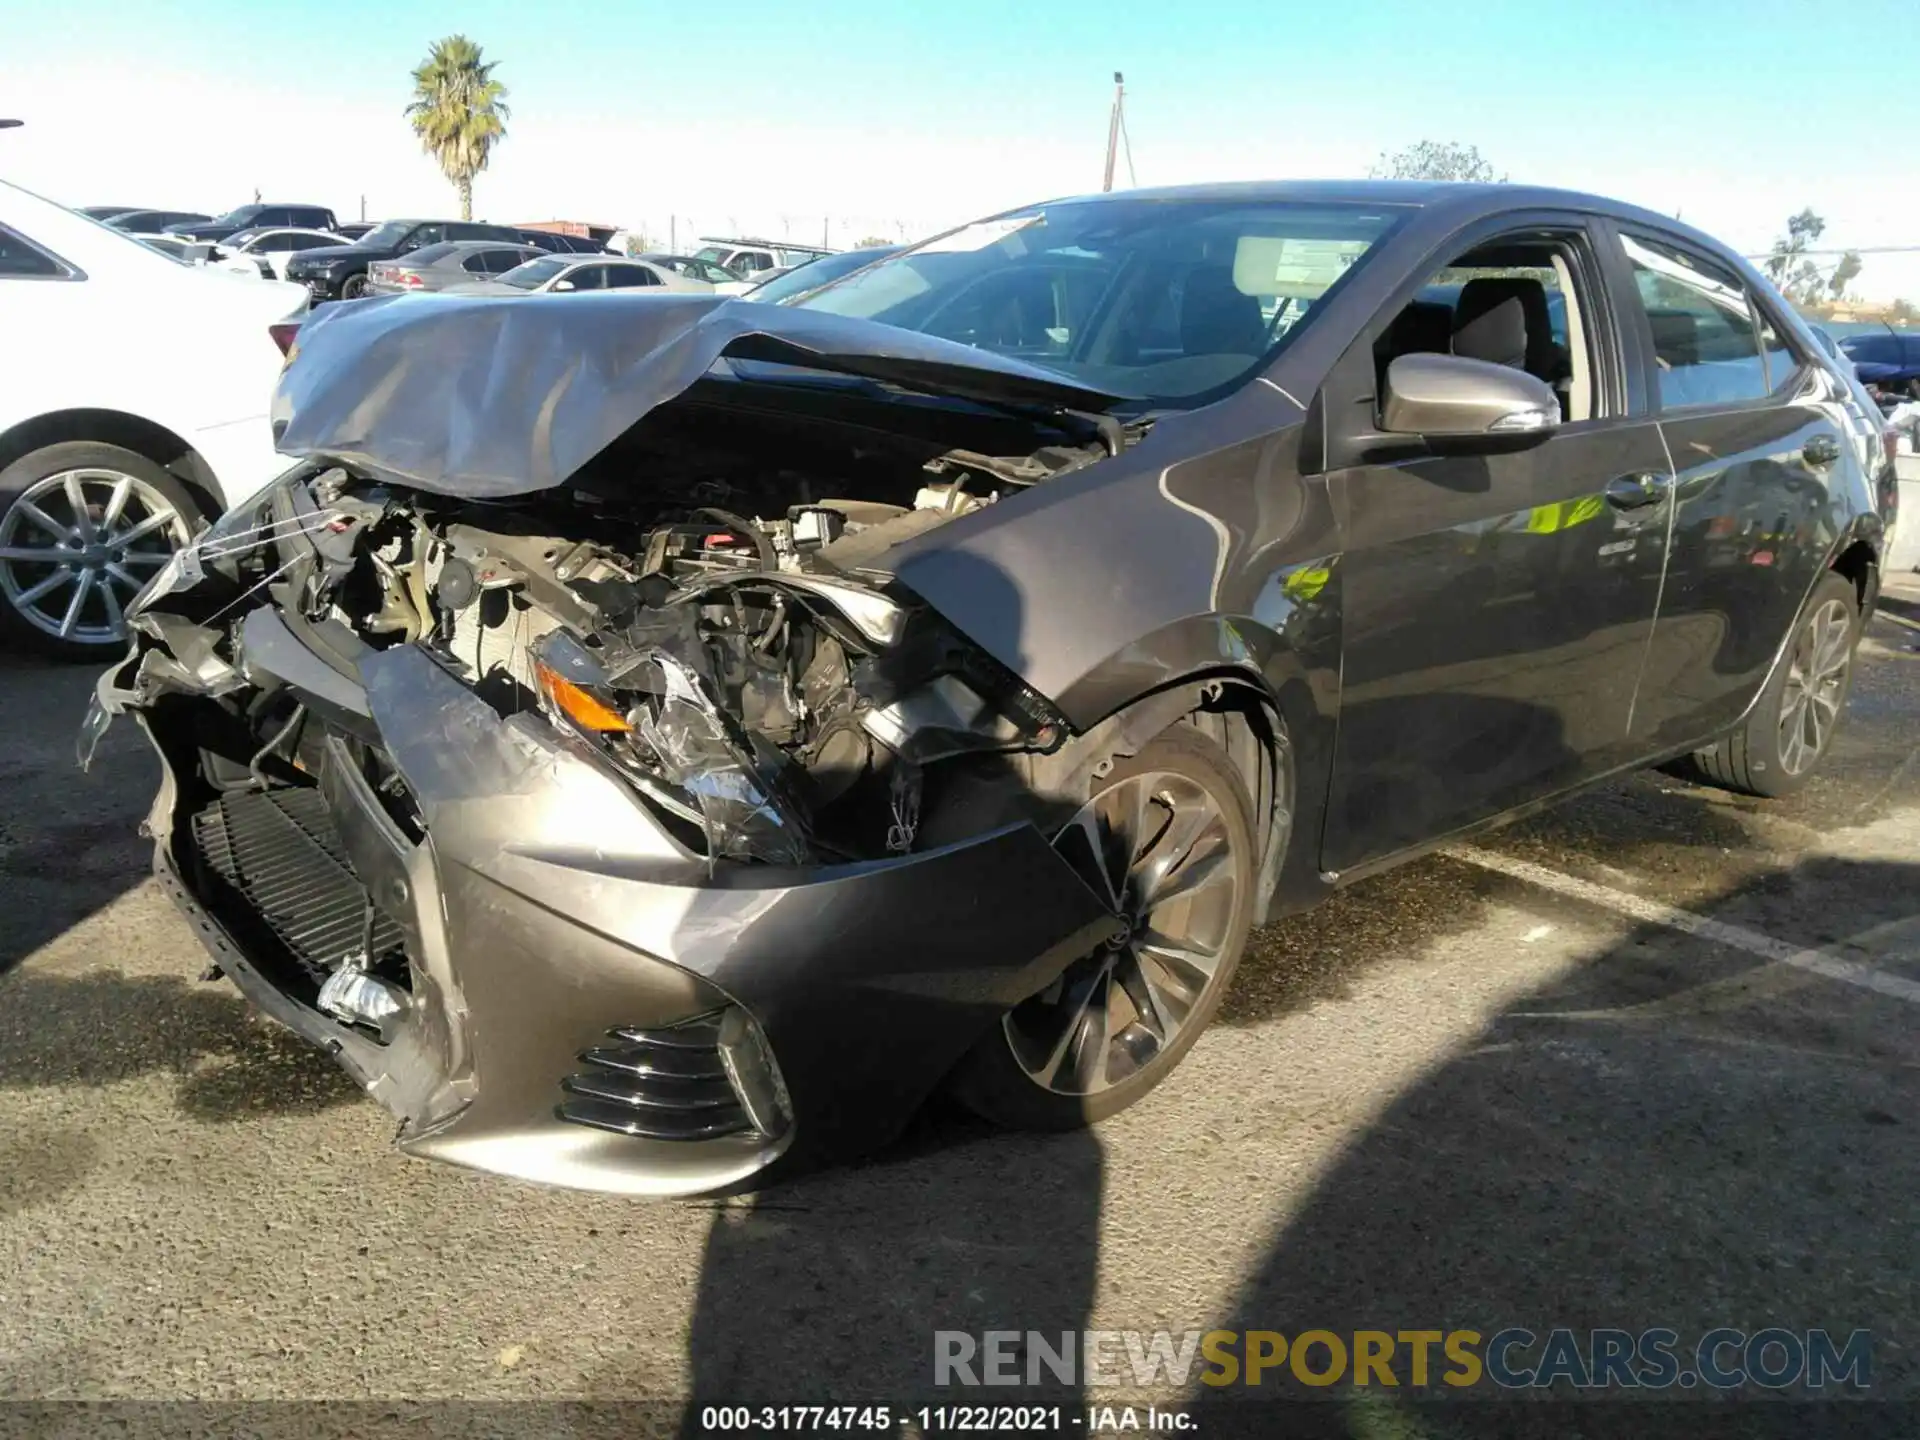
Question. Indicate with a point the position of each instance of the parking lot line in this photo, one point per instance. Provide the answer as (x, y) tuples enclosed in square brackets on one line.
[(1652, 912)]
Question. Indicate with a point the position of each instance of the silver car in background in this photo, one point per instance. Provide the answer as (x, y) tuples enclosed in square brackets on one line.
[(564, 274), (450, 263)]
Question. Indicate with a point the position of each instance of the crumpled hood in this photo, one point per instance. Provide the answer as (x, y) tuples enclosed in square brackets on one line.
[(485, 397)]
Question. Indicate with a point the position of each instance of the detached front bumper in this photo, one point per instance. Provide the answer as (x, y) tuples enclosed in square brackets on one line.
[(551, 926)]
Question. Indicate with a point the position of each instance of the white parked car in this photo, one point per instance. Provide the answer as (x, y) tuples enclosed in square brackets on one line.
[(760, 277), (136, 412), (564, 274), (265, 252)]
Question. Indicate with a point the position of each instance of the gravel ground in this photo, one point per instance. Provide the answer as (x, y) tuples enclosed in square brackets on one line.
[(1449, 1098)]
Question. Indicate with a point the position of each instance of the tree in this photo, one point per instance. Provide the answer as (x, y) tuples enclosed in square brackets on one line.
[(459, 111), (1902, 312), (871, 242), (1844, 274), (1787, 260), (1436, 160)]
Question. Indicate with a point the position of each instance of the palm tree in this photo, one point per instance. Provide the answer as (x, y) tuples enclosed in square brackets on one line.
[(459, 112)]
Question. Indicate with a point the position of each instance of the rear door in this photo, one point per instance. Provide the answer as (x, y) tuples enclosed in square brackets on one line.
[(1495, 606), (1758, 444)]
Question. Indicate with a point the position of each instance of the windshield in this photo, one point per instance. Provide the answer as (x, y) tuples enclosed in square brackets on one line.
[(387, 233), (242, 216), (535, 273), (814, 274), (1169, 301)]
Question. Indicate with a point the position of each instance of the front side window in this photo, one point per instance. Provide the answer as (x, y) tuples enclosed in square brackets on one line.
[(1508, 301), (588, 277), (1706, 343), (1172, 302)]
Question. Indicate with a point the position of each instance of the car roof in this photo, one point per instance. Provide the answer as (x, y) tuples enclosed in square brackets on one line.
[(1464, 200)]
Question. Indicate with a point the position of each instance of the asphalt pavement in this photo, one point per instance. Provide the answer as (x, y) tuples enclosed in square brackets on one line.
[(1648, 1059)]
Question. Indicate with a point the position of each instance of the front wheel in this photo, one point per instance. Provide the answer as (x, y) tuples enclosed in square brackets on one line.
[(1796, 717), (1167, 838), (354, 287), (83, 527)]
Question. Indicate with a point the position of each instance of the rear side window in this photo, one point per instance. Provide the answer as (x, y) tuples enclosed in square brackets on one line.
[(628, 277), (18, 259), (1706, 342)]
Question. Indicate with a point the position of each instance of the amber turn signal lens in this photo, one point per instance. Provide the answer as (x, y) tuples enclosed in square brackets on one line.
[(580, 706)]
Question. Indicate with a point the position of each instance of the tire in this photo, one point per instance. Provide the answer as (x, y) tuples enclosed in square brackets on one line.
[(355, 286), (1793, 722), (1186, 781), (154, 515)]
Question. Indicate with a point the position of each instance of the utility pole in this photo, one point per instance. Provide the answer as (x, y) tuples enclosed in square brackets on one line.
[(1113, 127)]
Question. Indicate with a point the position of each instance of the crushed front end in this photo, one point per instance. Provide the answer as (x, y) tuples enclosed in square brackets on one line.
[(591, 833)]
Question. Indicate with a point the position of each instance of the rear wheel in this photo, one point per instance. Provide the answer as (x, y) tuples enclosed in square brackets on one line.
[(1167, 838), (1794, 721), (83, 527)]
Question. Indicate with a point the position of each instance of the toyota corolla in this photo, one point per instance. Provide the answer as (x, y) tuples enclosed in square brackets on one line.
[(656, 743)]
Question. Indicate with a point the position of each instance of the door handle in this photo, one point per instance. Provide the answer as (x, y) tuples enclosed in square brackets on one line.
[(1632, 492), (1821, 450)]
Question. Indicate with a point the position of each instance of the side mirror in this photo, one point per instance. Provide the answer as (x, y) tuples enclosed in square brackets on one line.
[(1449, 397), (560, 285)]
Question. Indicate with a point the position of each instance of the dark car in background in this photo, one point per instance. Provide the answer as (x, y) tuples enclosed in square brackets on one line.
[(254, 217), (452, 262), (556, 243), (152, 222), (1886, 358), (654, 743), (341, 273), (354, 229)]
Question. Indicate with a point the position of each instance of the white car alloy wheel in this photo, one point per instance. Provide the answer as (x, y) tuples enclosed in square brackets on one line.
[(76, 546)]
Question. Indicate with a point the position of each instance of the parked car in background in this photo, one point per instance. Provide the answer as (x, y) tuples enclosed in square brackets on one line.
[(752, 259), (452, 262), (137, 414), (190, 252), (556, 243), (802, 279), (1155, 607), (566, 274), (1887, 359), (341, 273), (354, 229), (150, 222), (255, 217), (266, 252), (104, 212), (754, 282), (692, 267)]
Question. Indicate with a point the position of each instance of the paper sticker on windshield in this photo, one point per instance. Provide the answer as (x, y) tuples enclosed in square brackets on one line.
[(979, 235)]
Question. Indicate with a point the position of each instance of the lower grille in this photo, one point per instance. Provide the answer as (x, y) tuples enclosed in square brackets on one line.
[(665, 1084), (279, 852)]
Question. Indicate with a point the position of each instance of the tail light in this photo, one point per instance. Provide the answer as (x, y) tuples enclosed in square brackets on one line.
[(410, 279), (283, 335)]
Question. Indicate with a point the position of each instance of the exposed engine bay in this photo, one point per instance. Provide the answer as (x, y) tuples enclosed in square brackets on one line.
[(724, 644)]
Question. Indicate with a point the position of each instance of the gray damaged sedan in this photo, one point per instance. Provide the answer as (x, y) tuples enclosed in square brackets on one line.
[(653, 743)]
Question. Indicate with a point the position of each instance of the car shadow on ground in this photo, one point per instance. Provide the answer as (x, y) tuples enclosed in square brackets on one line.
[(69, 841), (105, 1026), (1666, 1134)]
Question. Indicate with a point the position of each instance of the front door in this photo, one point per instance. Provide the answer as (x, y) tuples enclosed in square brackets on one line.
[(1759, 443), (1496, 607)]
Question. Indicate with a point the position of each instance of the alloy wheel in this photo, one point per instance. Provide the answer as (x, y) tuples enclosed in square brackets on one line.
[(1158, 848), (77, 546), (1816, 685)]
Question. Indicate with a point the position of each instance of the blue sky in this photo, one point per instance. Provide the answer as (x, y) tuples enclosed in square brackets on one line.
[(847, 117)]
